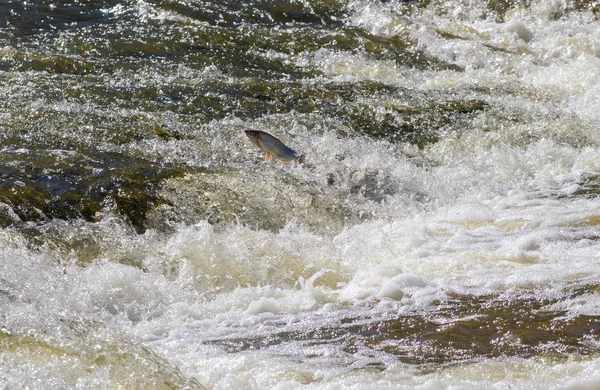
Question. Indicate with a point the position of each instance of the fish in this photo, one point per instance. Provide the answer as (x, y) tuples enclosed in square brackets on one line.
[(273, 147)]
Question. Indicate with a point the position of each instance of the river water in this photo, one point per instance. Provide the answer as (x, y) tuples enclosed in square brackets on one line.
[(442, 234)]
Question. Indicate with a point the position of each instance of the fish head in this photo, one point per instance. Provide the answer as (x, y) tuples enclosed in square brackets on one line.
[(253, 135)]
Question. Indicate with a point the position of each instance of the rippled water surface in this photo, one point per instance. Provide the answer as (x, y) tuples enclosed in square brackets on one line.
[(444, 231)]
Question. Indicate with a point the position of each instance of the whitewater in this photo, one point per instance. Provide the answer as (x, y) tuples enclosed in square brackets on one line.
[(443, 232)]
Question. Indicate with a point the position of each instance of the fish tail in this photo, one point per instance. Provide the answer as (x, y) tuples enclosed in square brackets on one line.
[(301, 159)]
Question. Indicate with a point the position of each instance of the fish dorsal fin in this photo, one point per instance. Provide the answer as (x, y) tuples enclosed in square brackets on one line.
[(283, 139)]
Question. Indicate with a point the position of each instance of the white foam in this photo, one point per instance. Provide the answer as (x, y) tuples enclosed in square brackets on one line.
[(586, 305), (489, 209)]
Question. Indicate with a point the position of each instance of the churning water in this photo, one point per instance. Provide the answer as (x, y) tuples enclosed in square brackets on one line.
[(444, 232)]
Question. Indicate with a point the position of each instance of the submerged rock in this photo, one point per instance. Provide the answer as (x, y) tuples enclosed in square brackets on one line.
[(92, 355), (39, 187), (259, 199)]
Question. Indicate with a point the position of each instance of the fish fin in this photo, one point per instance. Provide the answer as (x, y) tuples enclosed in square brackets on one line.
[(283, 139), (268, 156), (301, 159)]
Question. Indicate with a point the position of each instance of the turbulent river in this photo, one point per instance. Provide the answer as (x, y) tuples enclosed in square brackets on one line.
[(443, 232)]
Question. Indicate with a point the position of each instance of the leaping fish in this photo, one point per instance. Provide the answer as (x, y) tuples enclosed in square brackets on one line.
[(273, 147)]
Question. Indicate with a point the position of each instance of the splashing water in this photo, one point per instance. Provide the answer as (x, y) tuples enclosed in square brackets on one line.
[(442, 233)]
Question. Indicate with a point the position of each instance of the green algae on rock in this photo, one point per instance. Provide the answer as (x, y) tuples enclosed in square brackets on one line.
[(65, 185)]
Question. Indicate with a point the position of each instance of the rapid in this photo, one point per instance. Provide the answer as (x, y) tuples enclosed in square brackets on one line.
[(442, 233)]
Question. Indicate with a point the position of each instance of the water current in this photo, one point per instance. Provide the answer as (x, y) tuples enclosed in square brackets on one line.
[(443, 232)]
